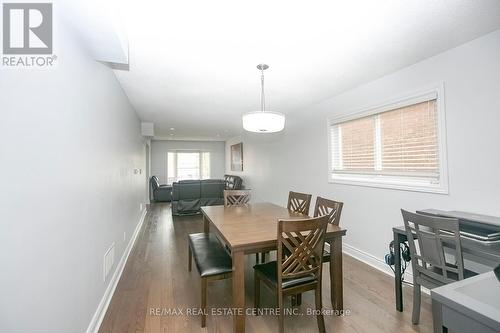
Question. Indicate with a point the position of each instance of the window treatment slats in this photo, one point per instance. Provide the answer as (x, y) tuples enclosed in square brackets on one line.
[(402, 141)]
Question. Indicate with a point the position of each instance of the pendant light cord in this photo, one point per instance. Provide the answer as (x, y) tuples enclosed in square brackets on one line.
[(262, 95)]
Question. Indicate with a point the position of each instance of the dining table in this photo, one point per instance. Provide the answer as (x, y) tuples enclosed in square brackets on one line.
[(252, 228)]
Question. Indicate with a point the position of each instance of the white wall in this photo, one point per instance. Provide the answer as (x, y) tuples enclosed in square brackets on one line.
[(160, 148), (69, 142), (298, 158)]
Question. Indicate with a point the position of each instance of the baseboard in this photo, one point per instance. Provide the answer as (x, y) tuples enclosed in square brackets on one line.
[(372, 261), (96, 321)]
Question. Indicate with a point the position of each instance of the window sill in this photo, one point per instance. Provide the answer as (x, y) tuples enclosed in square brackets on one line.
[(394, 184)]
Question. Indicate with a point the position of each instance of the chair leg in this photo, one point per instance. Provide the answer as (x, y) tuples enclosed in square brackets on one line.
[(296, 299), (256, 293), (281, 317), (415, 318), (190, 258), (203, 302), (319, 308), (257, 258)]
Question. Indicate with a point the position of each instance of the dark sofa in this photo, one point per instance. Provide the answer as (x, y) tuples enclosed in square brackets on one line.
[(189, 195), (233, 182), (160, 193)]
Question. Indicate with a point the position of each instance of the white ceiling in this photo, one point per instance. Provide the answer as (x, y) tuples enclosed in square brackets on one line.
[(192, 63)]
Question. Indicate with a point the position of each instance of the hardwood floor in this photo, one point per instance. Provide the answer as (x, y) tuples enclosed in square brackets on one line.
[(156, 279)]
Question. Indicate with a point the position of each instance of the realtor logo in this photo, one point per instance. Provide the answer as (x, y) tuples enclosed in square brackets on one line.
[(27, 28), (27, 35)]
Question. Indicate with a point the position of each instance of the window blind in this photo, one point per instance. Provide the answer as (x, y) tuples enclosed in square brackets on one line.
[(409, 140), (398, 142), (354, 141), (182, 165)]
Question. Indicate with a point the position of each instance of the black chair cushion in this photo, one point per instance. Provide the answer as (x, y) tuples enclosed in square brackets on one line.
[(209, 255), (270, 271)]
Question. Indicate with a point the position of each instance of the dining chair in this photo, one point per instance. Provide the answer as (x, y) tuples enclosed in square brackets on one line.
[(236, 197), (299, 202), (428, 236), (212, 261), (301, 270), (332, 209)]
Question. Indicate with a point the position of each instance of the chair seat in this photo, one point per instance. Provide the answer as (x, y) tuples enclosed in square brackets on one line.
[(209, 255), (270, 271), (433, 283)]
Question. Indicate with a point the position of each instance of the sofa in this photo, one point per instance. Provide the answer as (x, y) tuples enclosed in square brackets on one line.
[(233, 182), (160, 193), (189, 195)]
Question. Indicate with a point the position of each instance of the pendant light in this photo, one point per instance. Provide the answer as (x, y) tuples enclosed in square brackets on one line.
[(263, 121)]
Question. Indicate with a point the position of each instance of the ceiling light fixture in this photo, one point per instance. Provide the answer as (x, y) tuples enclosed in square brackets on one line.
[(263, 121)]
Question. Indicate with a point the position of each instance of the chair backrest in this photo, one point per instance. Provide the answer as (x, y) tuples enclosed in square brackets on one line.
[(432, 234), (299, 202), (233, 182), (236, 197), (154, 183), (330, 208), (305, 241)]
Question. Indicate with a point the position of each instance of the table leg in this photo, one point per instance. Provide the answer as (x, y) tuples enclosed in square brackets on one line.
[(398, 283), (336, 275), (206, 225), (437, 317), (239, 291)]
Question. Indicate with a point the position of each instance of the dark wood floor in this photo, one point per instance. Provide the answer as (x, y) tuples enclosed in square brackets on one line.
[(156, 277)]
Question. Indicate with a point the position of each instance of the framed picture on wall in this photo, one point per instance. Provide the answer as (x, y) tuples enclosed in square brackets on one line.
[(237, 157)]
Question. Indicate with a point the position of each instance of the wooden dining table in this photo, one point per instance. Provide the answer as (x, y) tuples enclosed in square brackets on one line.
[(252, 228)]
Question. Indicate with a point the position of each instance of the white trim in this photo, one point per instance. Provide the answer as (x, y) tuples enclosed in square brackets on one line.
[(432, 92), (435, 91), (396, 183), (376, 263), (369, 259), (98, 316)]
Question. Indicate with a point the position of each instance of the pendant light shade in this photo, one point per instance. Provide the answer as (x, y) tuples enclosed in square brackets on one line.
[(263, 121)]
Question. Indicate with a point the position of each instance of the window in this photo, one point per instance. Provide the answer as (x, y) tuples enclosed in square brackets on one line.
[(182, 165), (397, 146)]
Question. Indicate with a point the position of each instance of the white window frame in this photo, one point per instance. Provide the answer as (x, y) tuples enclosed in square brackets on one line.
[(397, 182), (200, 157)]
